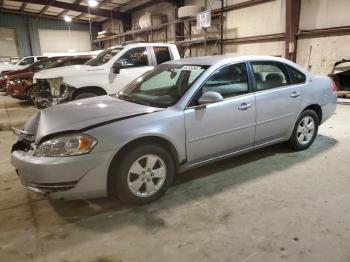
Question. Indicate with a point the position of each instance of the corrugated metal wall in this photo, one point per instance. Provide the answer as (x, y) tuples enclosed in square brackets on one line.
[(27, 30)]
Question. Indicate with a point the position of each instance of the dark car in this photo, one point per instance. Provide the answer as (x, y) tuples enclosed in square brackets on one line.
[(21, 85), (341, 76)]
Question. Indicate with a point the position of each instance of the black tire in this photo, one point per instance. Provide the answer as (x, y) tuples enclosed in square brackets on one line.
[(29, 93), (84, 95), (119, 171), (296, 144)]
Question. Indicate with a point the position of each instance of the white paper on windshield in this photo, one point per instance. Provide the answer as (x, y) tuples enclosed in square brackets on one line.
[(190, 68)]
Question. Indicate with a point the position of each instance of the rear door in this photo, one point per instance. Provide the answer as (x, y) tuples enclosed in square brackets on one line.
[(161, 54), (277, 101), (136, 62), (223, 127)]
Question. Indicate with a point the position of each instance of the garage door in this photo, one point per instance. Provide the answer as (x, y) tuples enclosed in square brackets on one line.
[(8, 42), (60, 41)]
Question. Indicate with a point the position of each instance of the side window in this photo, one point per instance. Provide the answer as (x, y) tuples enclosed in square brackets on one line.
[(44, 64), (68, 63), (27, 61), (40, 57), (134, 58), (228, 81), (162, 54), (269, 75), (297, 76)]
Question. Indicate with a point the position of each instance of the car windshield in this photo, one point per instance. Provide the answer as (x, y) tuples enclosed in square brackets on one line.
[(44, 63), (104, 57), (163, 86)]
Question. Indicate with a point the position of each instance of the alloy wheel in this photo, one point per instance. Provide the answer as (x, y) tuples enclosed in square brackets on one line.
[(306, 130), (146, 175)]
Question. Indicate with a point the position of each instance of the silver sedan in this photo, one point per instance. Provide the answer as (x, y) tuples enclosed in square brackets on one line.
[(181, 115)]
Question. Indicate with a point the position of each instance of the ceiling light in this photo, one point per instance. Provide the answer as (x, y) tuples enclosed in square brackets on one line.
[(92, 3), (67, 19)]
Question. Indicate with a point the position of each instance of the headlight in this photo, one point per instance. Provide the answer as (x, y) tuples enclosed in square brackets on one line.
[(55, 85), (68, 145), (24, 82)]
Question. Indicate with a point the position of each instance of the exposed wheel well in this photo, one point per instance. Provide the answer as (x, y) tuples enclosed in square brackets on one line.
[(28, 87), (89, 89), (317, 109), (143, 140)]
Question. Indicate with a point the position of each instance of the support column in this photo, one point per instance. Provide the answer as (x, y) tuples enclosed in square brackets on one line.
[(127, 25), (292, 28)]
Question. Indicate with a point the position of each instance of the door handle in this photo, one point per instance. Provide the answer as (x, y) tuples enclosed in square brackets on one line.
[(295, 94), (244, 106)]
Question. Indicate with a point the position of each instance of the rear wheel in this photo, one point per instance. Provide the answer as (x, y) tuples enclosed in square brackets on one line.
[(305, 130), (143, 174)]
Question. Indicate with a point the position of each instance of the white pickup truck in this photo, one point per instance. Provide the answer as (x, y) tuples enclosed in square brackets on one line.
[(107, 73), (21, 64)]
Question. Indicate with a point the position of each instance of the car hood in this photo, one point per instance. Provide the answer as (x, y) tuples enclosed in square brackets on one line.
[(87, 113), (21, 75), (65, 71)]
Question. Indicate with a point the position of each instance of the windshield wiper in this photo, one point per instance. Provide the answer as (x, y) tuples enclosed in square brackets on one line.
[(133, 100)]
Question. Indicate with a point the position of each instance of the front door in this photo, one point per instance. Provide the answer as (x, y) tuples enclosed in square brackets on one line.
[(277, 101), (223, 127), (136, 62)]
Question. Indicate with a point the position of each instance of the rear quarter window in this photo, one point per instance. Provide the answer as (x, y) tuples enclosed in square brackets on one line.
[(297, 77), (162, 54)]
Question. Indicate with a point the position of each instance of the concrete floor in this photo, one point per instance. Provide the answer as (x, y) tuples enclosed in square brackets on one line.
[(270, 205), (13, 112)]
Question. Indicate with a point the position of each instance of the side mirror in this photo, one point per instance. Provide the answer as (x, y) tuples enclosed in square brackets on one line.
[(210, 97), (116, 67)]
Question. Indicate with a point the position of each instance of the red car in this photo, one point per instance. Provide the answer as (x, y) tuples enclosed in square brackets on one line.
[(37, 66), (21, 85)]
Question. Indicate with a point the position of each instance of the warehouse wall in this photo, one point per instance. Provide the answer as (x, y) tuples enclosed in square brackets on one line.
[(159, 9), (27, 30), (325, 50), (262, 19)]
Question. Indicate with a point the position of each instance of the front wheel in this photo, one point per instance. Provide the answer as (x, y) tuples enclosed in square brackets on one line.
[(30, 93), (143, 174), (305, 130)]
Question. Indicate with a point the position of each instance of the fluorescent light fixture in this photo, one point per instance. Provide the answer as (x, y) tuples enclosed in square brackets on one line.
[(92, 3), (67, 18)]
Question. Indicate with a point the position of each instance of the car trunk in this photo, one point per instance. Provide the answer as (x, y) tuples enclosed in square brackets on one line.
[(341, 76)]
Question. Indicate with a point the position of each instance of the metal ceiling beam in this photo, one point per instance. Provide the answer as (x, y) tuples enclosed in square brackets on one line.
[(50, 17), (64, 12), (79, 16), (148, 4), (45, 8), (24, 5), (77, 8)]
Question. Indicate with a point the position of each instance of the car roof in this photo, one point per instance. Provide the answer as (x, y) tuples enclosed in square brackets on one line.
[(225, 59), (67, 58), (141, 45), (210, 60)]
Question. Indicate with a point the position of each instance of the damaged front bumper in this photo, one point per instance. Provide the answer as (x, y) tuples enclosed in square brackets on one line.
[(50, 92), (73, 177)]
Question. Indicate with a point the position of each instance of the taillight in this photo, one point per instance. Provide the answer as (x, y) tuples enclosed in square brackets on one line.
[(334, 86)]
